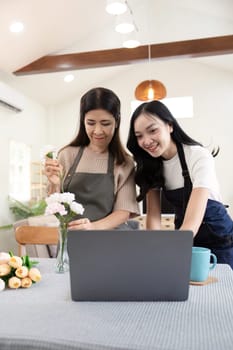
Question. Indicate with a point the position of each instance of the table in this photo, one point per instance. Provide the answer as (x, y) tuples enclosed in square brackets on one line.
[(45, 317)]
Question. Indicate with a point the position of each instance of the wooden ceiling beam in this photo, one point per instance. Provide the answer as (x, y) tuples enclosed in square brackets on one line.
[(94, 59)]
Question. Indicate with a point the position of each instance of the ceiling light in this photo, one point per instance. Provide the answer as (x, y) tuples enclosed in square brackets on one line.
[(131, 40), (116, 7), (131, 43), (16, 27), (125, 24), (124, 28), (68, 78), (150, 90)]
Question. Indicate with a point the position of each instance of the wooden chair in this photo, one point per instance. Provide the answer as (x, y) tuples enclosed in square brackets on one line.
[(35, 235)]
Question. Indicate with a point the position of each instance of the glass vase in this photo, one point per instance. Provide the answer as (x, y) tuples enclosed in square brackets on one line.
[(62, 260)]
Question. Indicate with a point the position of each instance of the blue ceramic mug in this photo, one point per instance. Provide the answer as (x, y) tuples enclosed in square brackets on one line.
[(200, 263)]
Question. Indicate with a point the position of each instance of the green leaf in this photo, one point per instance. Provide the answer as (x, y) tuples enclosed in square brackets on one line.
[(49, 155), (6, 227), (23, 211), (27, 262)]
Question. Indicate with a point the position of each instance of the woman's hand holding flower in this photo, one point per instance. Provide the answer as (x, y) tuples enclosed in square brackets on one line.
[(54, 171)]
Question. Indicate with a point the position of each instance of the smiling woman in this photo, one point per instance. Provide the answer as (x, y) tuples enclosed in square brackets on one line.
[(169, 160), (95, 166), (100, 127)]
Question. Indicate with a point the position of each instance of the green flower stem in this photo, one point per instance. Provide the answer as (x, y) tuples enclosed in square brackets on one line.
[(63, 228)]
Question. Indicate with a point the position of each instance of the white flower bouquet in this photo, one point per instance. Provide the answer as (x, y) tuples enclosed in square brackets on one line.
[(16, 272), (65, 208)]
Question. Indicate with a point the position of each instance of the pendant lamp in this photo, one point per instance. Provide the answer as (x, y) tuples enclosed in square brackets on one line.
[(150, 89)]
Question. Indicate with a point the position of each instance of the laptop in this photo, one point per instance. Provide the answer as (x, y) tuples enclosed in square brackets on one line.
[(140, 265)]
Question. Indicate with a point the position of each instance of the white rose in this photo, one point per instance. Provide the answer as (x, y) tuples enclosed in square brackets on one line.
[(15, 261), (77, 208), (2, 285), (5, 269), (14, 282), (4, 258), (34, 274), (53, 198), (67, 197), (55, 208)]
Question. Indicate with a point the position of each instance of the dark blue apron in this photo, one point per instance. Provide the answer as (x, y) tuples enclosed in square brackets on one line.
[(216, 230)]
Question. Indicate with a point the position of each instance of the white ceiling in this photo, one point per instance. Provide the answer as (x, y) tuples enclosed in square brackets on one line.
[(63, 26)]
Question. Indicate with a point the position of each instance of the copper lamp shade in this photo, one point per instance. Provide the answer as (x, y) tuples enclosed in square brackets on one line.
[(150, 90)]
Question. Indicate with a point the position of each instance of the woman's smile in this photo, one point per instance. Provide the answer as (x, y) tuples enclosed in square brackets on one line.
[(153, 135)]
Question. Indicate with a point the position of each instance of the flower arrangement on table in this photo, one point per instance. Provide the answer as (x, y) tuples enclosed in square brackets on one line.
[(65, 208), (16, 272)]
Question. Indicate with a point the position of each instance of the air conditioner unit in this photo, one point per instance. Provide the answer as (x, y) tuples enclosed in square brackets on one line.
[(11, 98)]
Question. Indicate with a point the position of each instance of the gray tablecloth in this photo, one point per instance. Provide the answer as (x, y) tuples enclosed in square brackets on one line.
[(44, 317)]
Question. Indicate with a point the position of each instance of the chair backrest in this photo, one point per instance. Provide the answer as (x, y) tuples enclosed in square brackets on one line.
[(35, 235)]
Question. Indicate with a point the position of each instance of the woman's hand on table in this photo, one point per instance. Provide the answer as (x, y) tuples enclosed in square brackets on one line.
[(81, 224)]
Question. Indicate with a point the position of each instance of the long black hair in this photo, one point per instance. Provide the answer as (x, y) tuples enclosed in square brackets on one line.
[(149, 170), (101, 98)]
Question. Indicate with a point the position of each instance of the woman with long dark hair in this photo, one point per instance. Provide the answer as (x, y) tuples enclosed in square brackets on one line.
[(168, 159), (96, 167)]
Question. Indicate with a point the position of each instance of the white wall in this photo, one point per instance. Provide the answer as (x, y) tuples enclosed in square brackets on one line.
[(30, 127), (63, 121)]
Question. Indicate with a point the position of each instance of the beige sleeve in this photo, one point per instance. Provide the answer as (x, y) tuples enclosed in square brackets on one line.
[(125, 189), (66, 158)]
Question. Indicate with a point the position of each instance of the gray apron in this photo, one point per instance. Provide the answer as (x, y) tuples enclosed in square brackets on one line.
[(89, 188)]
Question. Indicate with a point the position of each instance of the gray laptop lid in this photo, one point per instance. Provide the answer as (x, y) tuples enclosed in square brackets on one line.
[(140, 265)]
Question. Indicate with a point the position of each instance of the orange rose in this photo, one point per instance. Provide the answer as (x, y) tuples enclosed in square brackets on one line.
[(34, 274), (15, 261), (5, 269), (26, 282), (14, 282), (21, 272)]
